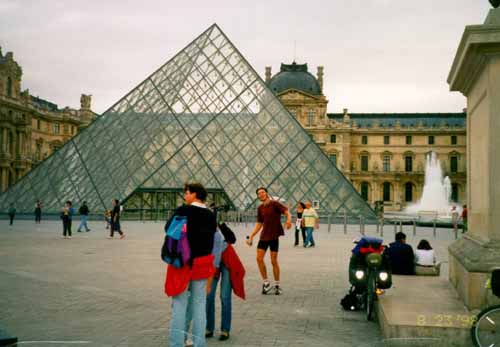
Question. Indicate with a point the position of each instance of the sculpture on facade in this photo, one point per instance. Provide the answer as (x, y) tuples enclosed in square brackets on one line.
[(85, 101)]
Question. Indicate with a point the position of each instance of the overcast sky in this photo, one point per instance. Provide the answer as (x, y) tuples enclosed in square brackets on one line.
[(379, 55)]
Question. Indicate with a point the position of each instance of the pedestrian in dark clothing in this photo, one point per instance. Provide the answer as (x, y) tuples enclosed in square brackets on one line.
[(115, 220), (84, 215), (38, 211), (401, 256), (12, 213), (67, 219)]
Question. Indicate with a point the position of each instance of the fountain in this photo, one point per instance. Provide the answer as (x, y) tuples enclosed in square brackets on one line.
[(436, 195)]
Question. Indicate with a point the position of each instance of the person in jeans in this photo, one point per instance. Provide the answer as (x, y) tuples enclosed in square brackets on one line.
[(188, 285), (311, 221), (115, 220), (67, 219), (269, 221), (84, 215)]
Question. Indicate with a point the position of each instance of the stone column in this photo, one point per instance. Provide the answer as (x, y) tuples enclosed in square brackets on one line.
[(476, 74)]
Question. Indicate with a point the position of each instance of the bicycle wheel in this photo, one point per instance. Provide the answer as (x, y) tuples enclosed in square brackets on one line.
[(370, 295), (486, 329)]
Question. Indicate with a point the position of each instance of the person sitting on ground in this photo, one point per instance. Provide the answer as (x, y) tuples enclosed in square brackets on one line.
[(424, 255), (401, 256)]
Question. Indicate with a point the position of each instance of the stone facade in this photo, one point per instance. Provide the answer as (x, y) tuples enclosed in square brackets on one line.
[(383, 154), (31, 128)]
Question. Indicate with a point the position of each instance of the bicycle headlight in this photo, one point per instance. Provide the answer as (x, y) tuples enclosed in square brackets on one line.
[(383, 276), (359, 274)]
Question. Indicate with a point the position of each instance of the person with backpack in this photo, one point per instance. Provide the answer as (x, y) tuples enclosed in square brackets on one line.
[(187, 282), (84, 215)]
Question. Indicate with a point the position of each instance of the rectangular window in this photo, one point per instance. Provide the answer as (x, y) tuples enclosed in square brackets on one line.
[(387, 163), (333, 159), (454, 164), (364, 163), (38, 124), (66, 128), (310, 117), (364, 140), (408, 164), (386, 191), (386, 140), (56, 128), (408, 140), (431, 140), (333, 138), (453, 139), (454, 192)]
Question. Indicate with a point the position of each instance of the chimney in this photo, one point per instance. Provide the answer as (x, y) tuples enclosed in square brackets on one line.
[(268, 73), (320, 77)]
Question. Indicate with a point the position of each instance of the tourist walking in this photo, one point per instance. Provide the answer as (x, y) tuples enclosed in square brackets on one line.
[(188, 285), (269, 222), (38, 212), (84, 215), (464, 219), (299, 228), (12, 213), (311, 221), (67, 218), (115, 219)]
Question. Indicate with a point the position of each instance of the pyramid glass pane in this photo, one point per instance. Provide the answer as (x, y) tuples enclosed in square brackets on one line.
[(206, 116)]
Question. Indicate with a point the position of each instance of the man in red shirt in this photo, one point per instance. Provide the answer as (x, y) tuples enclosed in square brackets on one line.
[(269, 221)]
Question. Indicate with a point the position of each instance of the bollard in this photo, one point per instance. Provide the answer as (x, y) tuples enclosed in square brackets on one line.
[(395, 227), (401, 226), (434, 228), (329, 223), (382, 227), (361, 225), (378, 227), (414, 228), (345, 222)]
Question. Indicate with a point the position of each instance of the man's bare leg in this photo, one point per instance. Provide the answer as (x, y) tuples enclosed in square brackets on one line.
[(276, 266), (260, 262)]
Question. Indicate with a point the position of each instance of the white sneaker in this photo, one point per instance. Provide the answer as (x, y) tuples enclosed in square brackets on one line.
[(188, 343)]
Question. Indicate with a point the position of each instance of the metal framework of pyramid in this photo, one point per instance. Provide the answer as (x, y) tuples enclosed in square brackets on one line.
[(203, 116)]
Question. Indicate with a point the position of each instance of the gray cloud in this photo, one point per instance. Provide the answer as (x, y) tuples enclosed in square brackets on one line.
[(379, 55)]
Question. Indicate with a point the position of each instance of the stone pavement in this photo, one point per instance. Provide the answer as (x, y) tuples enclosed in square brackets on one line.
[(98, 292)]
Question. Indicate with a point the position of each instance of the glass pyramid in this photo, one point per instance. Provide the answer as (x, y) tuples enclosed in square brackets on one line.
[(204, 116)]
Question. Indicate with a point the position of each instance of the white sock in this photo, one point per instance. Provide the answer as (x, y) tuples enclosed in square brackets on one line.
[(277, 283)]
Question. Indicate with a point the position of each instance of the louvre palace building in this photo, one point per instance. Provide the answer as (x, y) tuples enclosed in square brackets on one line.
[(31, 128), (382, 154)]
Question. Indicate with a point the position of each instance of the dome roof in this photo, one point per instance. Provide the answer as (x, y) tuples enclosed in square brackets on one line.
[(294, 76)]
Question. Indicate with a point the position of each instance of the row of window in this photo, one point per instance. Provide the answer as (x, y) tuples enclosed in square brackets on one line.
[(56, 128), (409, 190), (386, 163), (387, 139)]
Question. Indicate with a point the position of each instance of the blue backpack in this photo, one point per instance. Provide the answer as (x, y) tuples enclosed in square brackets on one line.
[(175, 250)]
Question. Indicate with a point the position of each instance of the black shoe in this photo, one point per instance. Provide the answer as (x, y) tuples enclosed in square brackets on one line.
[(277, 290), (209, 334), (223, 336), (87, 230), (266, 288), (79, 231)]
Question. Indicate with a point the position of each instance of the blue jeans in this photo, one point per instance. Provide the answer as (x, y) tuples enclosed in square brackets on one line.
[(225, 299), (192, 302), (83, 223), (309, 236)]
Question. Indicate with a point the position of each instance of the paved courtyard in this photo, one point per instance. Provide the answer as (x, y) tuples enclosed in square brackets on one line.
[(98, 292)]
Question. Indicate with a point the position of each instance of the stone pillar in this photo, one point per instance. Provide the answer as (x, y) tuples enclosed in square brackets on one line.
[(320, 78), (476, 74)]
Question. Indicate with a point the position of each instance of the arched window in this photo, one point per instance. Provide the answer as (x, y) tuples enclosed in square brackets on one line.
[(454, 192), (365, 188), (9, 86), (386, 188), (408, 192)]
